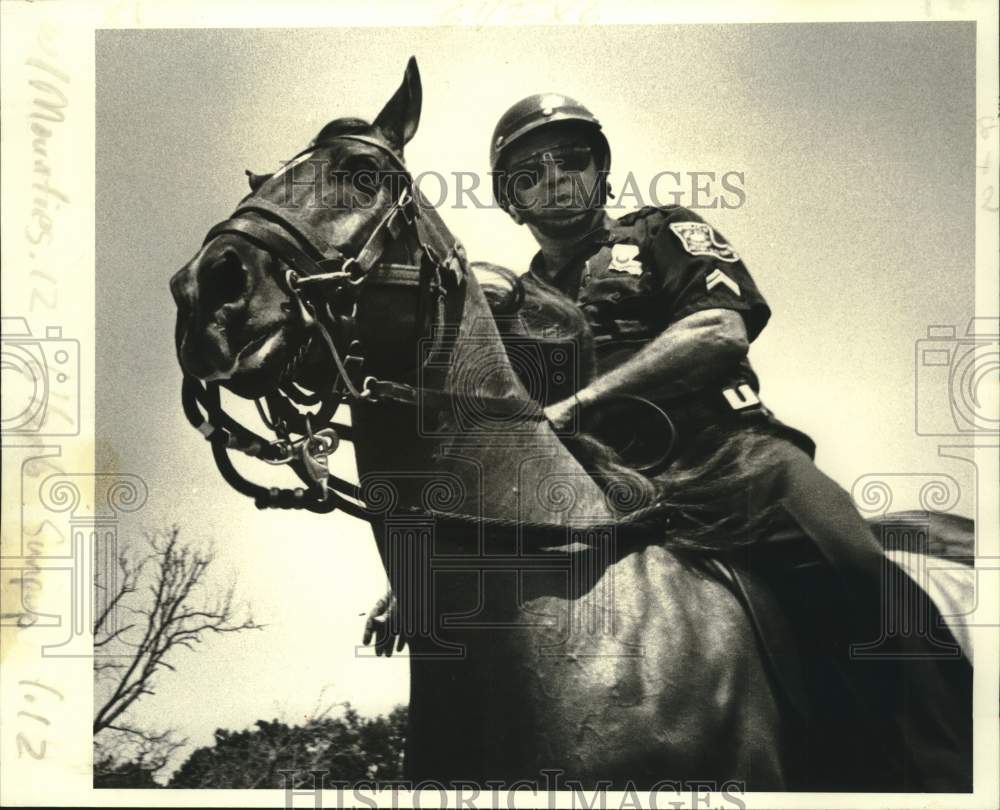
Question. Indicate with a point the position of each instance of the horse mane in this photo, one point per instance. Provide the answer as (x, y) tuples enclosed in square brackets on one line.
[(707, 481)]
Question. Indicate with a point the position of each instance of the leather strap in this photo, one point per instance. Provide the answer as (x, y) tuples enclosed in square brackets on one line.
[(279, 243), (290, 221), (496, 407)]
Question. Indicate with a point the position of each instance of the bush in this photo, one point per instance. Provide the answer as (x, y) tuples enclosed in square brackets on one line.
[(348, 748)]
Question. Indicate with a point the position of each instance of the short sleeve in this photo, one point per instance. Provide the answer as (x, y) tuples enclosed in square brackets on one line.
[(698, 269)]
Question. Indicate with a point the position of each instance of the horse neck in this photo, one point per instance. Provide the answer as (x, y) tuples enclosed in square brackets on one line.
[(525, 471), (462, 462)]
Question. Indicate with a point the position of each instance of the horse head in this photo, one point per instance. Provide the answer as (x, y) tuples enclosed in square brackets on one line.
[(241, 321), (329, 275)]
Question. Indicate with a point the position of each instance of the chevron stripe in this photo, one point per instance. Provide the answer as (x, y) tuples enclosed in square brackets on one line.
[(717, 277)]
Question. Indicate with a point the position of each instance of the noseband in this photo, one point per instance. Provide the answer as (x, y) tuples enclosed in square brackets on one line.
[(313, 260)]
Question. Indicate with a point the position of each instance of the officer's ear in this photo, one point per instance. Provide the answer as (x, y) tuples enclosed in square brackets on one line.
[(515, 215)]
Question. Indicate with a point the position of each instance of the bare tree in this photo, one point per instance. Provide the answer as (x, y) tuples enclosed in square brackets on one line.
[(157, 607)]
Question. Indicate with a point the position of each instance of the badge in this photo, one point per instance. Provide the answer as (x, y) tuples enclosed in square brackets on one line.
[(625, 259), (699, 239)]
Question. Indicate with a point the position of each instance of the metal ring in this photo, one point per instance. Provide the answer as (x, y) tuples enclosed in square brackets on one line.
[(366, 391), (349, 262)]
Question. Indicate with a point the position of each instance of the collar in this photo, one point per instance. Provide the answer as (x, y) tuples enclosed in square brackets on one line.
[(587, 246)]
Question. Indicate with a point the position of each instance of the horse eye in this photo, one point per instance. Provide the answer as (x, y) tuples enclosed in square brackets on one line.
[(361, 168)]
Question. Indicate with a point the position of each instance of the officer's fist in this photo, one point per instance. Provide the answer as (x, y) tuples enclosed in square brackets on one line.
[(561, 414)]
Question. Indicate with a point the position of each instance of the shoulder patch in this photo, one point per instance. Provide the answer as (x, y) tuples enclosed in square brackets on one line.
[(699, 239)]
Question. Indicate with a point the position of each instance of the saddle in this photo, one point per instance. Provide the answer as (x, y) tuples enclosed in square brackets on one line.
[(842, 708)]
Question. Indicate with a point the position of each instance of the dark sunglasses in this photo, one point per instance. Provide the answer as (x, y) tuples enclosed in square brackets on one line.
[(568, 158)]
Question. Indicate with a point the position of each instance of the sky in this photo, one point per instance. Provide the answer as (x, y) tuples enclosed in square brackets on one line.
[(855, 142)]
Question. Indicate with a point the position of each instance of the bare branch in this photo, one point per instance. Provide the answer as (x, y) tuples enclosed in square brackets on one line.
[(146, 750), (166, 615)]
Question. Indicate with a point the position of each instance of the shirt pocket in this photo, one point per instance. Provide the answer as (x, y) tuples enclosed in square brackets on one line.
[(611, 291)]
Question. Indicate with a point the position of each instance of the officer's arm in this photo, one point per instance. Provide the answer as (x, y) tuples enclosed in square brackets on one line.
[(684, 357)]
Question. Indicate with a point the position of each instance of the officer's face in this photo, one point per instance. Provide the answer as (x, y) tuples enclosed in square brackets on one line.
[(552, 181)]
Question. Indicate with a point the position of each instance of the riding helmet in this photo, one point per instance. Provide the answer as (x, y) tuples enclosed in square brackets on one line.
[(540, 110)]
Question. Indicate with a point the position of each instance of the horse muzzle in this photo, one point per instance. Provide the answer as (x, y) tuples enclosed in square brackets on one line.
[(232, 316)]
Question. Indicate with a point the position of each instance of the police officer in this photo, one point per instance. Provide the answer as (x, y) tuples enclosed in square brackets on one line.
[(674, 310), (671, 305)]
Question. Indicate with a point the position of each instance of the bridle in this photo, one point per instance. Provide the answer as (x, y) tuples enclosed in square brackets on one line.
[(326, 285)]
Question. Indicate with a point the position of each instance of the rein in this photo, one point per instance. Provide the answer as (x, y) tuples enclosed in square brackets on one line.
[(229, 434), (318, 274)]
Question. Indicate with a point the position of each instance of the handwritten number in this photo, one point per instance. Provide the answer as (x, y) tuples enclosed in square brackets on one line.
[(990, 193), (23, 745), (51, 304)]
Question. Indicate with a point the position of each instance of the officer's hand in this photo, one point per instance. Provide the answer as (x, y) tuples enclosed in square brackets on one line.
[(560, 414), (380, 624)]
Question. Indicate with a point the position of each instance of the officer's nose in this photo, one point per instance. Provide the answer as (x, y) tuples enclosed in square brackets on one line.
[(554, 171), (550, 178)]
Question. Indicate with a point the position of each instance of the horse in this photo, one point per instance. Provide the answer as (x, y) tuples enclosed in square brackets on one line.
[(551, 630)]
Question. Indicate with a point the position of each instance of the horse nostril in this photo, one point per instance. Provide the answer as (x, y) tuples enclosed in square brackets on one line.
[(226, 278)]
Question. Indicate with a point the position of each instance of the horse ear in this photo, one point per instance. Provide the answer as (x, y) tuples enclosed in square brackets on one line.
[(257, 180), (401, 114)]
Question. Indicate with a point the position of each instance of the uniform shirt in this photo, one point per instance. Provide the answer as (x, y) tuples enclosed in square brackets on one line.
[(652, 268)]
